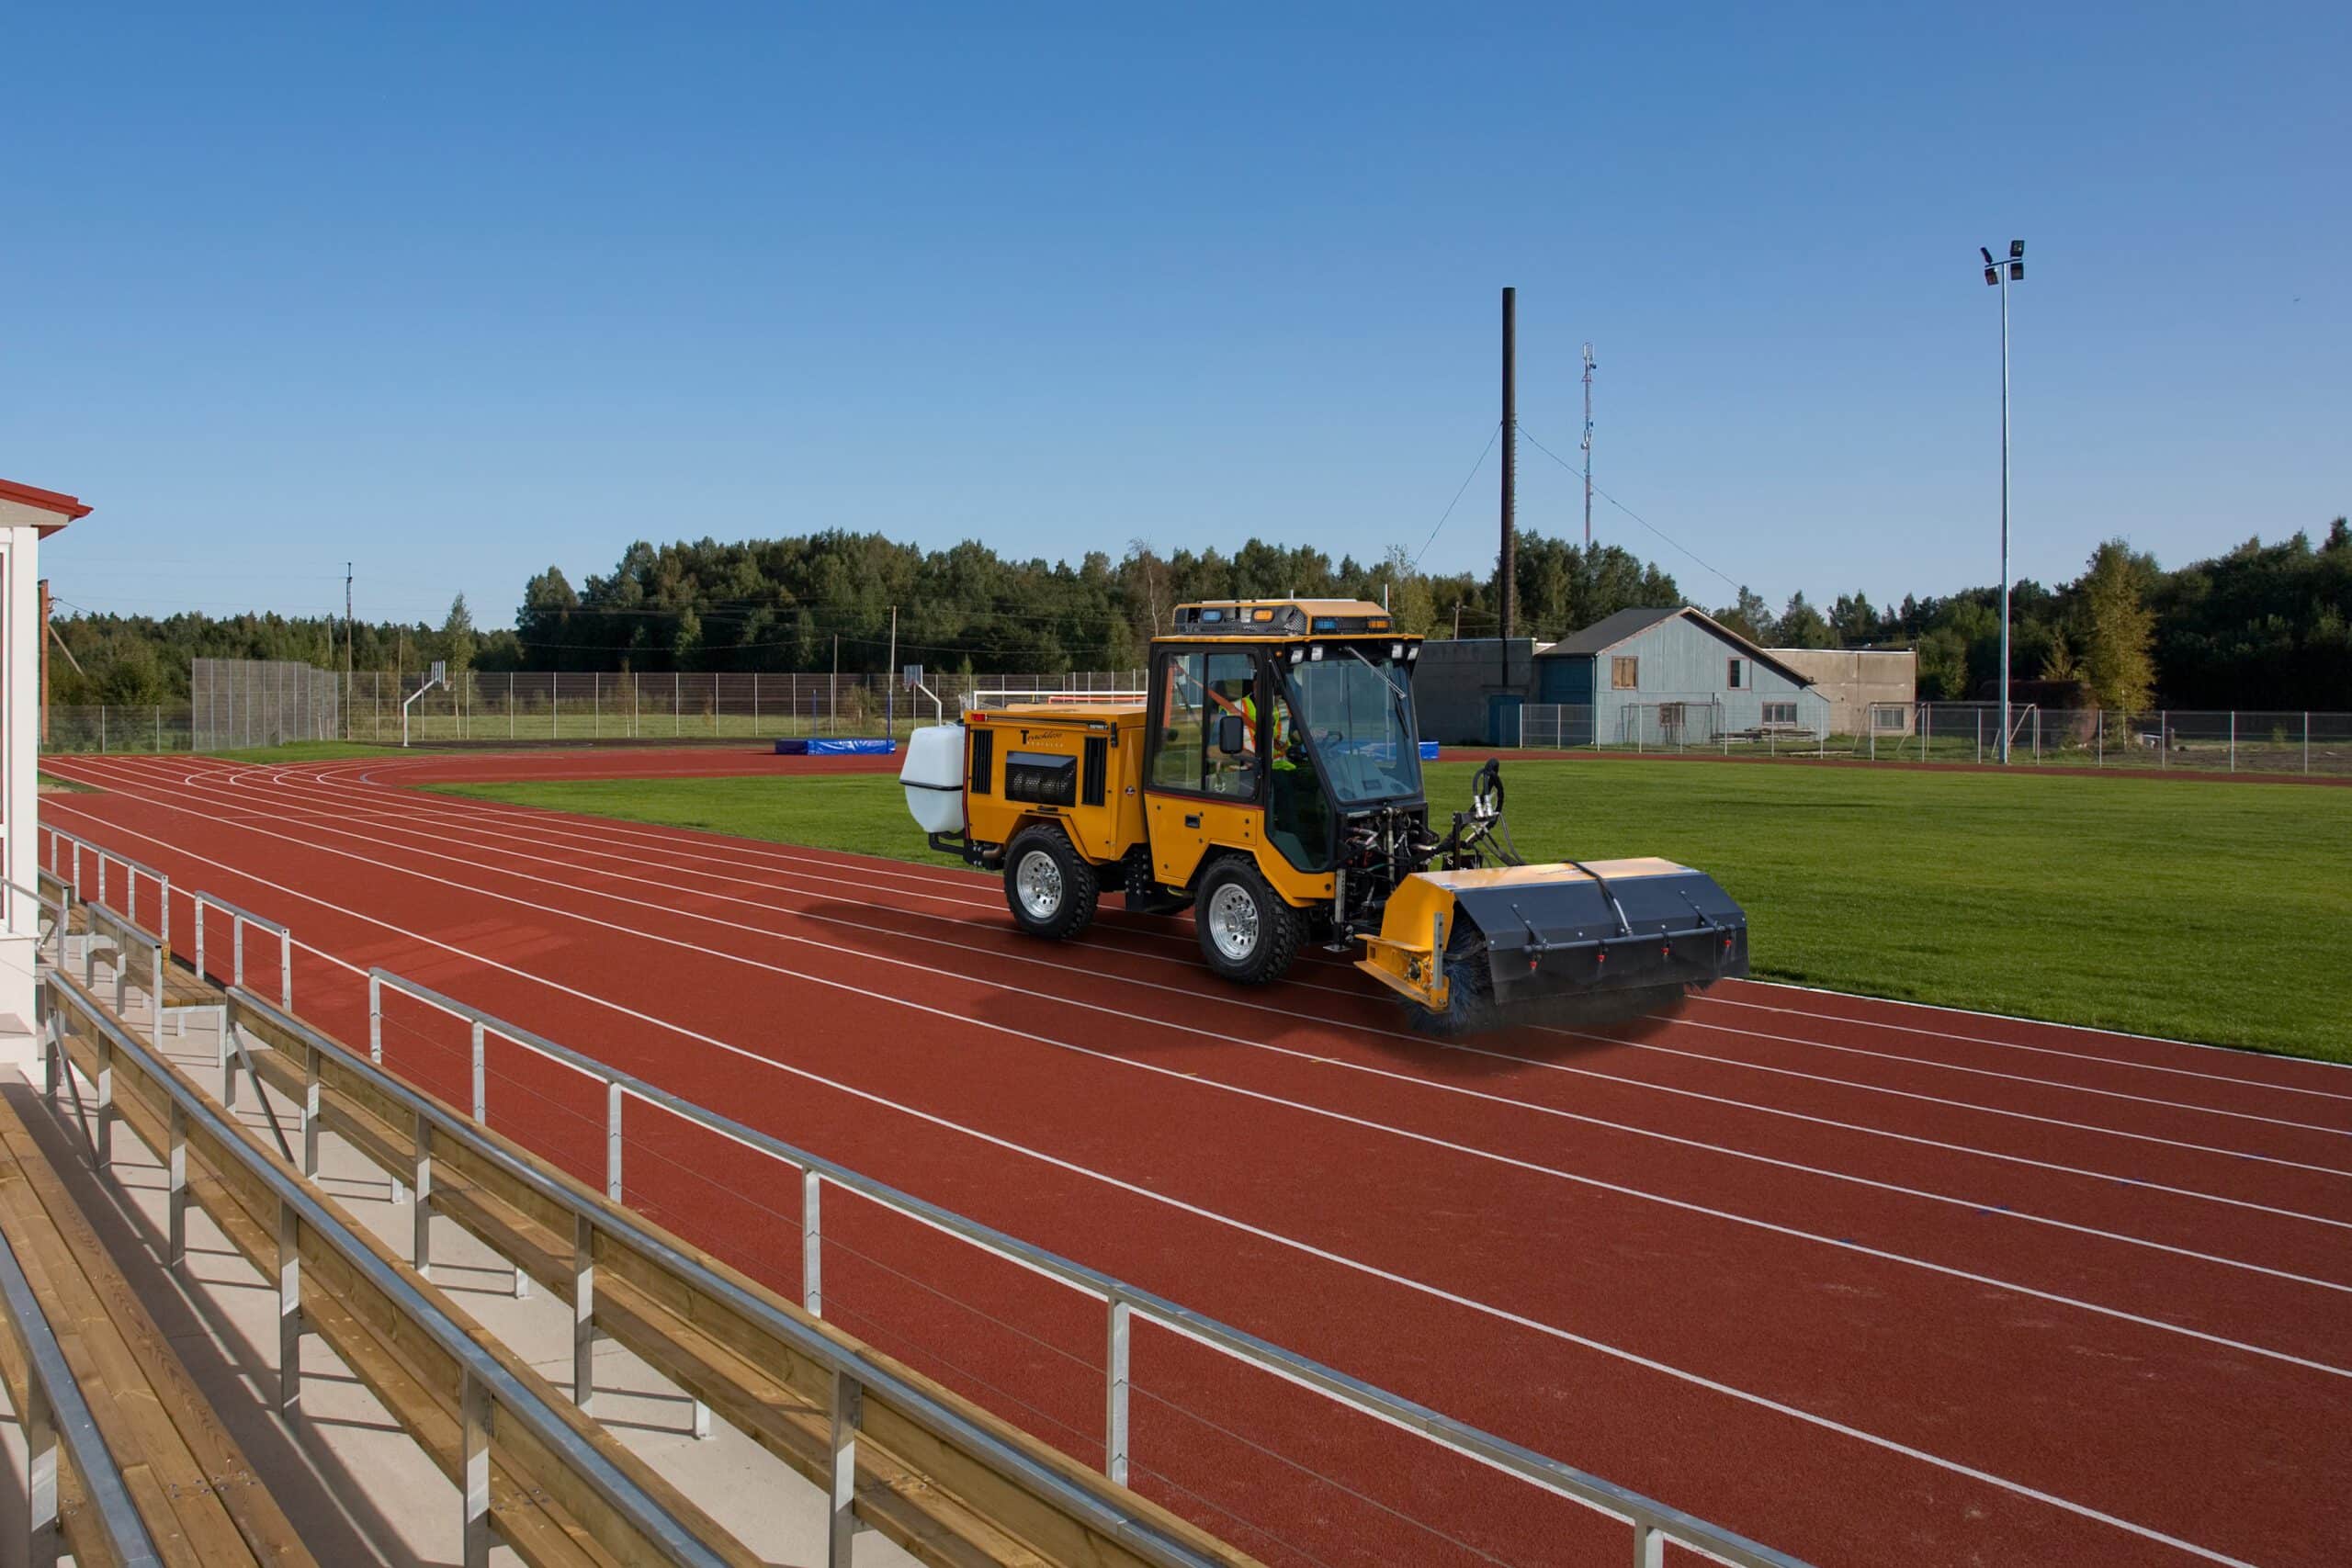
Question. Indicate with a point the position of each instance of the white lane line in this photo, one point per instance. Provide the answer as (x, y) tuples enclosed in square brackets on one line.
[(1406, 1283), (1715, 1061), (2238, 1053), (587, 837), (1325, 1112), (1711, 999)]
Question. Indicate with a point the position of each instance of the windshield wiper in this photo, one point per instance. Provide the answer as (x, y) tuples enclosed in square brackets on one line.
[(1395, 690), (1396, 696)]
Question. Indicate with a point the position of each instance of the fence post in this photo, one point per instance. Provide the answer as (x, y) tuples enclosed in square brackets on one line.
[(2098, 724), (755, 705), (2234, 740), (2307, 741), (1980, 737), (677, 704), (102, 730), (2163, 738)]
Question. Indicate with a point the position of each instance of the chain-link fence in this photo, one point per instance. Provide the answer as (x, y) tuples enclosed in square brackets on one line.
[(2200, 740), (119, 726), (237, 702), (540, 706)]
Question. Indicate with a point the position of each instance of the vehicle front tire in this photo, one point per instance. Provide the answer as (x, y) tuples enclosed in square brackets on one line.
[(1050, 887), (1247, 933)]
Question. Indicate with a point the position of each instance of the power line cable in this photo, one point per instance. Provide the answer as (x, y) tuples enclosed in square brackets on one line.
[(1630, 511), (1450, 505)]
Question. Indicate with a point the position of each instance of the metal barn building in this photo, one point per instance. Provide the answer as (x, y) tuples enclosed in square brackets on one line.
[(1670, 677)]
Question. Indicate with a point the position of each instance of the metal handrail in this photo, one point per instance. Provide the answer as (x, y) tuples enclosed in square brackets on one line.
[(239, 918), (485, 1376), (61, 909), (56, 1410), (622, 1225), (104, 854), (1648, 1518)]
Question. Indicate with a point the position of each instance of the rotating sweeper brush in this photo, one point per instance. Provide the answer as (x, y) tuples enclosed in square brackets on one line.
[(1270, 781)]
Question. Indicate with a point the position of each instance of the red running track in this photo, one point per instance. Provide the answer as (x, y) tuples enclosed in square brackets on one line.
[(1867, 1281)]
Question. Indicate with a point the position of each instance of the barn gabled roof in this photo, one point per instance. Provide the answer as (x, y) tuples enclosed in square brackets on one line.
[(1610, 631)]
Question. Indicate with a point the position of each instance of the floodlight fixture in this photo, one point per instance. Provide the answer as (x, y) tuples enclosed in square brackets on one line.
[(2017, 249)]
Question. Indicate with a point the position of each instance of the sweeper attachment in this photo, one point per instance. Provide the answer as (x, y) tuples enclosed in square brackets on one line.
[(1476, 937), (1270, 781)]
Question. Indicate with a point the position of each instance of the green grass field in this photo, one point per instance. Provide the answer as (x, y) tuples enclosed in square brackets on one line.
[(2209, 911)]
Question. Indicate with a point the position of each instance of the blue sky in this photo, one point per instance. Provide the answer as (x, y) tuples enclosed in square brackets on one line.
[(457, 291)]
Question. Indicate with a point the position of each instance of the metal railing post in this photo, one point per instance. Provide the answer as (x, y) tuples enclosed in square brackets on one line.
[(290, 1306), (481, 1098), (237, 949), (375, 1019), (812, 1257), (44, 1526), (584, 1312), (420, 1182), (1649, 1545), (175, 1180), (102, 1148), (612, 1140), (311, 1111), (841, 1520), (196, 914), (476, 1416), (1114, 1426)]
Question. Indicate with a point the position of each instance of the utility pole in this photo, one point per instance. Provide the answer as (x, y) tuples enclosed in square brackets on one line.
[(1511, 470), (350, 642), (1587, 446), (2002, 276), (890, 680)]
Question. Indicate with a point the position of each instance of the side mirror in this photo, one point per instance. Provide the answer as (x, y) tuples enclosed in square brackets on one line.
[(1229, 736)]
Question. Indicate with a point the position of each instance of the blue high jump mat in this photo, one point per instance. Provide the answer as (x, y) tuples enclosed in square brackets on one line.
[(811, 747)]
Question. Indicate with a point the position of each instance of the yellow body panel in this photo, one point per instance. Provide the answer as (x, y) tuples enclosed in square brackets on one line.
[(1101, 833), (1185, 828), (1407, 955)]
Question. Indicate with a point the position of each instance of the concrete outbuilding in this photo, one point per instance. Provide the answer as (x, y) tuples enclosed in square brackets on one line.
[(28, 515), (1869, 689)]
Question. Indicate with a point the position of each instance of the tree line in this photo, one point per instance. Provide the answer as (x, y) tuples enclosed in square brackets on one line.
[(2263, 625)]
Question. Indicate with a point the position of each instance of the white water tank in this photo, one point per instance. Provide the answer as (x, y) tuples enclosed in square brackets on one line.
[(933, 777)]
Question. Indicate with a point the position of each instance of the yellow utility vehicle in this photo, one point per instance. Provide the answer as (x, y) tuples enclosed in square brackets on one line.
[(1270, 782)]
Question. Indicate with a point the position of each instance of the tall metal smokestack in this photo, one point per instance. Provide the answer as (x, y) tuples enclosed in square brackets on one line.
[(1511, 470)]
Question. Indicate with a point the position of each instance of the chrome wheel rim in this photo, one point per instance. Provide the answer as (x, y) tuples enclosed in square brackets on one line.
[(1038, 880), (1233, 921)]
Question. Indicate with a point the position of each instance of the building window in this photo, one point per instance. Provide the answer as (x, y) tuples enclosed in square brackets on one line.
[(1780, 712), (1887, 715), (1731, 675), (1624, 674)]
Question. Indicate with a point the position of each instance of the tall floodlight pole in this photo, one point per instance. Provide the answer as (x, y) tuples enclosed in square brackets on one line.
[(1509, 562), (1587, 446), (1998, 276)]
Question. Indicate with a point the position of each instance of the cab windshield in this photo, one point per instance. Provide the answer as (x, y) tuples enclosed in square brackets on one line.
[(1359, 724)]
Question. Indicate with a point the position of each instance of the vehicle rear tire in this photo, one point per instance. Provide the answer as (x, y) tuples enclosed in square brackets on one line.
[(1050, 887), (1247, 933)]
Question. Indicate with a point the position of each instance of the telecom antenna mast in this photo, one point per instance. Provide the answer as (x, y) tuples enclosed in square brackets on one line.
[(1587, 446)]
